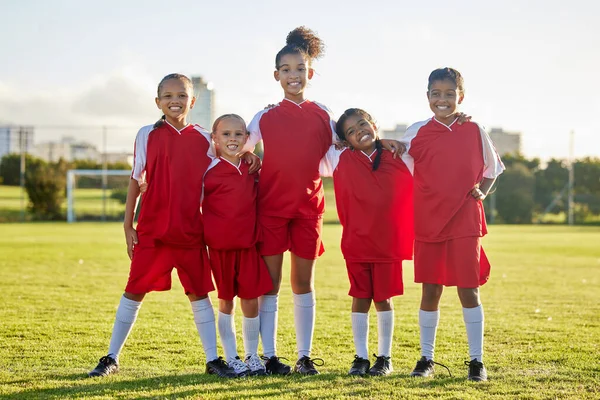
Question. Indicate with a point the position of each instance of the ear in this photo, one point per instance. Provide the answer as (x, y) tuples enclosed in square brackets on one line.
[(311, 72), (193, 103), (276, 75), (461, 97), (157, 101)]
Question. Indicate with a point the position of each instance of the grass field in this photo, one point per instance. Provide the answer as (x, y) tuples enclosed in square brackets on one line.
[(60, 285)]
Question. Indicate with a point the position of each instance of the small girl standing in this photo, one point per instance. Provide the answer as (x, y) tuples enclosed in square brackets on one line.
[(454, 168), (174, 156), (229, 210), (374, 193)]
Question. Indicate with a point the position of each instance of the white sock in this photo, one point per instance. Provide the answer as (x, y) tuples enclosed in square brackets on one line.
[(304, 319), (428, 323), (127, 313), (227, 333), (250, 332), (474, 322), (385, 332), (267, 305), (360, 331), (204, 317)]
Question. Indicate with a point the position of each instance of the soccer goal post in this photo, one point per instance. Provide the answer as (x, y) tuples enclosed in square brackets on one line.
[(103, 175)]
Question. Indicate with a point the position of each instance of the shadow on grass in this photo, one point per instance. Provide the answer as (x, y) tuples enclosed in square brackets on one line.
[(195, 385)]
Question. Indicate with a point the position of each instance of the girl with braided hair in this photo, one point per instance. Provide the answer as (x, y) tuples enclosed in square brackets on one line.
[(374, 197)]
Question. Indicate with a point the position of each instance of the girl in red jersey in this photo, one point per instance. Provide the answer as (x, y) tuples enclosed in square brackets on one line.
[(174, 156), (374, 195), (454, 168), (296, 134), (229, 210)]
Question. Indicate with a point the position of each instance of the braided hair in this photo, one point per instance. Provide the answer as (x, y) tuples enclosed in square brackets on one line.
[(339, 128)]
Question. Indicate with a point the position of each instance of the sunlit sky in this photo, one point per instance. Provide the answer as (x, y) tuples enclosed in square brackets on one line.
[(529, 66)]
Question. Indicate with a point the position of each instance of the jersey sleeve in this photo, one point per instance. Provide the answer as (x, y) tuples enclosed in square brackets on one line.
[(493, 165), (330, 161), (211, 152), (332, 122), (139, 152), (254, 131), (407, 139)]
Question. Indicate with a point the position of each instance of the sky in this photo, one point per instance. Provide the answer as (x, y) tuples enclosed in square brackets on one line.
[(69, 67)]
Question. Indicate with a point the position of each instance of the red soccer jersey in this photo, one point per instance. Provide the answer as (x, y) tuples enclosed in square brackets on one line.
[(448, 162), (295, 137), (375, 207), (229, 206), (174, 162)]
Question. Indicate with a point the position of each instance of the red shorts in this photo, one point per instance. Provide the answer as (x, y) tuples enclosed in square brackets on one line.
[(457, 262), (302, 236), (241, 273), (151, 269), (377, 281)]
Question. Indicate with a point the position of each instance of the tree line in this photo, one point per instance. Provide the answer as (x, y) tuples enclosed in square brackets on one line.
[(528, 191)]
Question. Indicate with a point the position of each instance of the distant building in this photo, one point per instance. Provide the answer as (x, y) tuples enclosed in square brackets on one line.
[(203, 112), (395, 134), (68, 149), (506, 142), (11, 136)]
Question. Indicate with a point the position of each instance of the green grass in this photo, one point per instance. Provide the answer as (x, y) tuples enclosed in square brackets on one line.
[(60, 285), (88, 204)]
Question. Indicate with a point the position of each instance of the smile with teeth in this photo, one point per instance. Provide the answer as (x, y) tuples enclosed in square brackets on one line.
[(443, 108), (175, 108), (232, 146), (294, 84), (365, 138)]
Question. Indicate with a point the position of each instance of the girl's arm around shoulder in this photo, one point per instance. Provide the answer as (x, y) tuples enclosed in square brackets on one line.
[(409, 135)]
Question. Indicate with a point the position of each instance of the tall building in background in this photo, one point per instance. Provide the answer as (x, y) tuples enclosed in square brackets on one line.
[(203, 112), (11, 136), (506, 142)]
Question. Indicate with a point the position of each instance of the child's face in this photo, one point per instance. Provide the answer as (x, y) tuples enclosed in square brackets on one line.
[(360, 133), (175, 99), (444, 98), (230, 137), (293, 74)]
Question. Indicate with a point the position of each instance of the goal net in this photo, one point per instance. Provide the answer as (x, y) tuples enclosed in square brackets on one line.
[(96, 195)]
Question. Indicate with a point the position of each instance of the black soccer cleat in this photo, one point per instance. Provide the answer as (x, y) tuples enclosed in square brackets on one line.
[(477, 371), (360, 366), (106, 366), (306, 365), (219, 367), (424, 368), (383, 366), (276, 367)]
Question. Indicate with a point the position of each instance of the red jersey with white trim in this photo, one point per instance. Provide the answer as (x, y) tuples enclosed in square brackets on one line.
[(229, 206), (375, 207), (448, 162), (174, 163), (295, 137)]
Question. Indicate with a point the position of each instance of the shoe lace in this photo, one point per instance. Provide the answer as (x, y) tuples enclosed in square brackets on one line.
[(255, 362), (106, 360), (474, 366), (220, 362), (238, 365), (379, 361), (274, 358), (311, 362), (442, 365)]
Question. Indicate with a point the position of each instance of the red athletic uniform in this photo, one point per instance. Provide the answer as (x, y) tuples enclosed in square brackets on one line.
[(170, 228), (376, 212), (448, 162), (290, 193), (229, 210)]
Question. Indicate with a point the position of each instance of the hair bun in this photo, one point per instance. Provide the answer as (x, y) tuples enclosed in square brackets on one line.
[(306, 40)]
